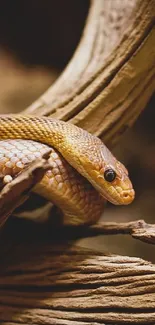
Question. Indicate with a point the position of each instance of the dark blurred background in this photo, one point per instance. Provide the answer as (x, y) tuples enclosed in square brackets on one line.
[(37, 39)]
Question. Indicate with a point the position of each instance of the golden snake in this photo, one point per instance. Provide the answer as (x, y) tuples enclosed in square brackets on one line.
[(83, 171)]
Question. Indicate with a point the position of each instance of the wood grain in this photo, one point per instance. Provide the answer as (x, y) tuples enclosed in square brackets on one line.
[(64, 284), (111, 75)]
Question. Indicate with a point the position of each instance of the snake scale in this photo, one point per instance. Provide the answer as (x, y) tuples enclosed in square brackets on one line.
[(83, 172)]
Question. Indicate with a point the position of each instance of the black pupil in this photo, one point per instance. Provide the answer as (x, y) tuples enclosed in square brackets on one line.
[(109, 175)]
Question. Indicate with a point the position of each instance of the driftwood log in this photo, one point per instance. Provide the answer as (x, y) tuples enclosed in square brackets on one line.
[(45, 278), (45, 282)]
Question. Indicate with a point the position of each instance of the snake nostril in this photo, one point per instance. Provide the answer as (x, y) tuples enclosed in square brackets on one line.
[(125, 195), (128, 196)]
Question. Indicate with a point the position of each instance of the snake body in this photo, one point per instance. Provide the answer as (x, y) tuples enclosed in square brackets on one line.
[(76, 182)]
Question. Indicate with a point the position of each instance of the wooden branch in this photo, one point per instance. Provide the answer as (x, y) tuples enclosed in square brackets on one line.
[(137, 229), (111, 76), (62, 284)]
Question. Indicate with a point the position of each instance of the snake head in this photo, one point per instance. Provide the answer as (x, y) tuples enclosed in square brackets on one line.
[(107, 174), (116, 185)]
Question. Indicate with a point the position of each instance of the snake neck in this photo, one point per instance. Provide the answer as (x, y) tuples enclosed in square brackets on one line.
[(69, 140), (49, 131)]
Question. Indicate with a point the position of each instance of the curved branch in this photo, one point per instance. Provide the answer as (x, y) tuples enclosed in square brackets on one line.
[(110, 78)]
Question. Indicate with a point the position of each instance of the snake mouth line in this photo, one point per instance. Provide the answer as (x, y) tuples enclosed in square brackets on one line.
[(124, 198)]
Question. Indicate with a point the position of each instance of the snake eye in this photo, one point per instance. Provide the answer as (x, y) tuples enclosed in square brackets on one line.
[(109, 175)]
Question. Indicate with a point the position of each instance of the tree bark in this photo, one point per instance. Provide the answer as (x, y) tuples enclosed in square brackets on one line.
[(111, 75), (53, 283)]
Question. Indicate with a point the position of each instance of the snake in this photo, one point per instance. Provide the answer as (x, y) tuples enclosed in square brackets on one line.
[(83, 172)]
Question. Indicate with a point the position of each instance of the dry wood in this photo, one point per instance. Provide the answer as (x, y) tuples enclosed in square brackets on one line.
[(111, 75), (62, 284), (137, 229), (103, 89)]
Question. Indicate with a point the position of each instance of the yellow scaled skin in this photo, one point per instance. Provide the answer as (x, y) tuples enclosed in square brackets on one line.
[(62, 185), (83, 151)]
